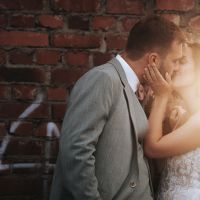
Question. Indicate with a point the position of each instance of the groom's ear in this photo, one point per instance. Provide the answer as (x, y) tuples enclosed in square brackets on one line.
[(154, 59)]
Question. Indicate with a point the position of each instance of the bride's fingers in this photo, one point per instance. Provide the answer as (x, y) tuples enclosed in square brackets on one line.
[(168, 78), (148, 76), (158, 75), (145, 78), (152, 73)]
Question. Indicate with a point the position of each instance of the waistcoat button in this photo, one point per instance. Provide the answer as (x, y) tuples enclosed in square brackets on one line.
[(132, 184)]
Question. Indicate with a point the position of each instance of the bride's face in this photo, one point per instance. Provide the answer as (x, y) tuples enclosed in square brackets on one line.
[(186, 74)]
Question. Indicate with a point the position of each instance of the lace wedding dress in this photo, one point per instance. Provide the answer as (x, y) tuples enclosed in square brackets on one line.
[(180, 178)]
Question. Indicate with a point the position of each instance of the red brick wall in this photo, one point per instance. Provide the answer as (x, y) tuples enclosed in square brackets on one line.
[(45, 46)]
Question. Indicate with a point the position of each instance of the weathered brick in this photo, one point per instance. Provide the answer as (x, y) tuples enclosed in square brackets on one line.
[(47, 57), (51, 21), (18, 146), (66, 76), (115, 42), (22, 75), (194, 23), (21, 57), (77, 59), (11, 159), (76, 40), (78, 22), (101, 58), (179, 5), (3, 20), (24, 92), (35, 169), (41, 112), (172, 17), (42, 131), (4, 92), (21, 4), (25, 21), (103, 23), (57, 94), (128, 23), (13, 111), (54, 149), (22, 38), (124, 7), (2, 129), (58, 111), (78, 6), (18, 185), (24, 129), (2, 57)]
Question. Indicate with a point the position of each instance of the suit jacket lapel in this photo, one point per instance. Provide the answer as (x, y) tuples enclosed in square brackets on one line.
[(132, 102), (130, 96)]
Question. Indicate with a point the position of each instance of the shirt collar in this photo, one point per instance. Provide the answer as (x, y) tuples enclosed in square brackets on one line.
[(130, 74)]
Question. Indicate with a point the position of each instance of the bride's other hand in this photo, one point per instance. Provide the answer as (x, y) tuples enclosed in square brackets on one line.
[(160, 86), (177, 117)]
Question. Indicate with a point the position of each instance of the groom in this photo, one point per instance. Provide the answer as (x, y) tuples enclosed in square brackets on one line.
[(101, 155)]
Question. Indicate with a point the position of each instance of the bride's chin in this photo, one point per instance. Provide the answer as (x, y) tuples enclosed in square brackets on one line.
[(182, 84), (178, 86)]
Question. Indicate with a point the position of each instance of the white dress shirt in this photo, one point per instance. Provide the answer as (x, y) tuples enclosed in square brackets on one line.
[(130, 74)]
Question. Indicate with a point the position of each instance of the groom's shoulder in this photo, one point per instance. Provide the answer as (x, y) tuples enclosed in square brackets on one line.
[(105, 74), (106, 70)]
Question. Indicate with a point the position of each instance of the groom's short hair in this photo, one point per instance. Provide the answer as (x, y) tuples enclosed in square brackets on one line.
[(152, 33)]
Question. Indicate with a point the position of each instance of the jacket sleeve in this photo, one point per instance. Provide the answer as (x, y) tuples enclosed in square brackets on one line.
[(87, 112)]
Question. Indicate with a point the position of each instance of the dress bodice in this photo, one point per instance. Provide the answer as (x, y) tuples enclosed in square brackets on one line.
[(180, 179)]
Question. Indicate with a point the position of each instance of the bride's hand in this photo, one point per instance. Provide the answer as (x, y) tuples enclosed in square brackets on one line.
[(159, 85), (177, 117)]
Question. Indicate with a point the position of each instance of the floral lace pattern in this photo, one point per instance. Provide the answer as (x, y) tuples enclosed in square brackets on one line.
[(180, 179)]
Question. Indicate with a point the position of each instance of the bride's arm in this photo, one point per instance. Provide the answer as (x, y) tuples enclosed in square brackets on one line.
[(181, 140)]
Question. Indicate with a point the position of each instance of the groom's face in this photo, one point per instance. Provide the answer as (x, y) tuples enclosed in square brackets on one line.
[(171, 61)]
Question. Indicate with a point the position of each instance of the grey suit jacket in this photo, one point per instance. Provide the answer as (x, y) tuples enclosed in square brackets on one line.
[(99, 154)]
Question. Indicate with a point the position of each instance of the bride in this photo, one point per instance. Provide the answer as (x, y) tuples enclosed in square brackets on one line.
[(180, 179)]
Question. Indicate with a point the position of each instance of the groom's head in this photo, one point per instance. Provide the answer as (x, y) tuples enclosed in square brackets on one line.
[(156, 40)]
